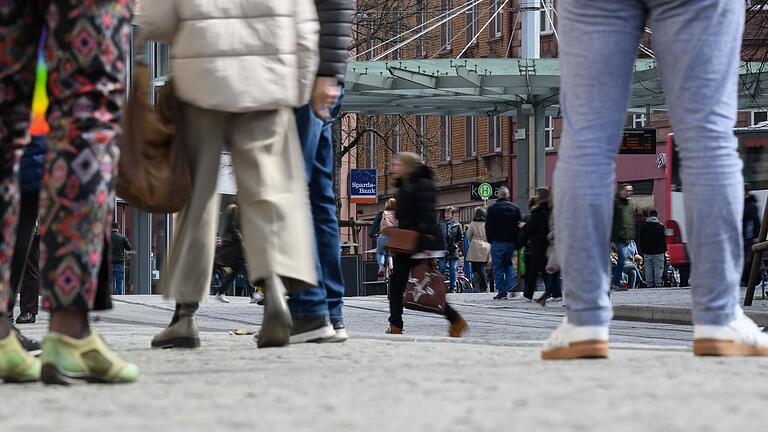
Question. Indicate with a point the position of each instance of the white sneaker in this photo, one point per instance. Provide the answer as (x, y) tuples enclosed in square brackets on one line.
[(740, 337), (569, 342), (255, 298), (517, 295), (222, 298)]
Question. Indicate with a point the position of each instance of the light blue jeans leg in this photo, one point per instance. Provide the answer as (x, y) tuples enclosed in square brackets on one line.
[(621, 248), (381, 251), (598, 44), (698, 46)]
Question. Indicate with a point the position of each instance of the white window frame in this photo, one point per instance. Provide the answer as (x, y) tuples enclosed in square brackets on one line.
[(546, 25), (752, 121), (421, 19), (470, 136), (495, 133), (549, 133), (639, 121), (471, 24), (446, 28), (445, 138), (421, 131), (498, 19)]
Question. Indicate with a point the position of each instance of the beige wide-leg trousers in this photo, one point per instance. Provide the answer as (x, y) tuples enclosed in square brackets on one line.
[(272, 191)]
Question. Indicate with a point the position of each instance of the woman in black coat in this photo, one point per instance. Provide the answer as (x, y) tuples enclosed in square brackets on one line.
[(415, 211), (536, 245)]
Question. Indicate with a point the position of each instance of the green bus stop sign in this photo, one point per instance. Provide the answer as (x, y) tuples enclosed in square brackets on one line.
[(485, 191)]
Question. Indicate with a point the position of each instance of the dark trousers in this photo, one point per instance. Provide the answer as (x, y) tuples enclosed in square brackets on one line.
[(535, 267), (553, 286), (25, 267), (479, 276), (239, 268), (403, 264)]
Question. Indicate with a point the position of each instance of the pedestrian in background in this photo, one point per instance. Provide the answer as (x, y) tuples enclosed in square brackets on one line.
[(750, 222), (501, 228), (536, 243), (388, 220), (318, 311), (240, 96), (232, 254), (415, 211), (553, 287), (452, 237), (697, 45), (623, 229), (479, 250), (120, 246), (652, 242), (87, 90)]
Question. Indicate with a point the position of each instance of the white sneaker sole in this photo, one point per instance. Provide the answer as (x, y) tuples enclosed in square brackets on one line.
[(339, 337), (318, 335), (726, 348), (590, 349)]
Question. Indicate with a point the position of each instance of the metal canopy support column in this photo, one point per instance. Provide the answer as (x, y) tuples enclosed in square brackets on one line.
[(141, 271), (530, 10), (540, 146), (522, 151)]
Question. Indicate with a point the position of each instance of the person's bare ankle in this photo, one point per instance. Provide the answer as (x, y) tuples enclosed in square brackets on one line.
[(70, 323)]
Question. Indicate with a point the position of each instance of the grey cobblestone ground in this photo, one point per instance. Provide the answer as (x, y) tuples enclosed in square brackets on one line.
[(490, 381)]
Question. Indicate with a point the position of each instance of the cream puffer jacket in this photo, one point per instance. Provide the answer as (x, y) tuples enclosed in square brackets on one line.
[(237, 55)]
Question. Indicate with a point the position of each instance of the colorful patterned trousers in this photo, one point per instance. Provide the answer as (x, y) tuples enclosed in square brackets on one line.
[(86, 50)]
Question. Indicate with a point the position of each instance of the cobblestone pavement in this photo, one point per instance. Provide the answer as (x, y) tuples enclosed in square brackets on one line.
[(492, 380)]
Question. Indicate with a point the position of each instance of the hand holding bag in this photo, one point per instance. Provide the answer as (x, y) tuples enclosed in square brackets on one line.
[(426, 289), (153, 170)]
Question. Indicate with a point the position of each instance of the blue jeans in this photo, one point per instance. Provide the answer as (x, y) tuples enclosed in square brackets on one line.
[(118, 274), (452, 263), (621, 248), (504, 273), (381, 251), (317, 143), (697, 45)]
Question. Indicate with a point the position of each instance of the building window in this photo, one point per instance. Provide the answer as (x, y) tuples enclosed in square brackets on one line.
[(371, 146), (546, 14), (421, 19), (471, 23), (494, 134), (421, 131), (638, 120), (445, 138), (549, 133), (470, 136), (496, 23), (446, 28), (759, 117), (397, 136)]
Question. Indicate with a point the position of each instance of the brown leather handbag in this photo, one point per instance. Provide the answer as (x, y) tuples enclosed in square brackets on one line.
[(426, 289), (403, 241), (153, 171)]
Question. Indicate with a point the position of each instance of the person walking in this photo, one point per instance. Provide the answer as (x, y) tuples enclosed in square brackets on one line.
[(318, 311), (501, 228), (697, 47), (87, 89), (415, 211), (246, 105), (388, 220), (552, 288), (452, 235), (623, 229), (479, 250), (535, 232), (750, 222), (652, 242), (232, 254), (120, 248)]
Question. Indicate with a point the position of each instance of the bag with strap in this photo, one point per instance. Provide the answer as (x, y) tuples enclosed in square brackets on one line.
[(153, 170), (402, 240), (426, 289)]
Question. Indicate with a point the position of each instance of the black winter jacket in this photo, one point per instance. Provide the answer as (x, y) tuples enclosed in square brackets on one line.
[(336, 18), (416, 207), (452, 236), (652, 239), (501, 223), (537, 229), (119, 245)]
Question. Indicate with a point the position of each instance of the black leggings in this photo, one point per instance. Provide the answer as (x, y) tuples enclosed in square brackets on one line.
[(398, 282), (479, 275), (25, 265)]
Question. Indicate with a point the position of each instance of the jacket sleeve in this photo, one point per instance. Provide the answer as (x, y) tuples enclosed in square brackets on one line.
[(308, 31), (490, 226), (336, 17), (126, 244), (157, 20), (376, 227)]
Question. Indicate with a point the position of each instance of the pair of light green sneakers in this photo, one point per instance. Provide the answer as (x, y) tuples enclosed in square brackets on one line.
[(64, 361)]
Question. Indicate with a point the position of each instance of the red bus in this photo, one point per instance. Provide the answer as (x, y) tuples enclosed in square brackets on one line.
[(753, 149)]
